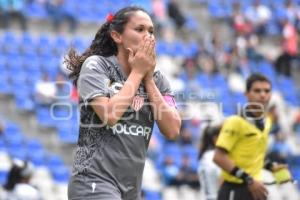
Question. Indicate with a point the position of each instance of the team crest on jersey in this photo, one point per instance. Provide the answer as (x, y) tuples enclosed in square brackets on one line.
[(137, 103)]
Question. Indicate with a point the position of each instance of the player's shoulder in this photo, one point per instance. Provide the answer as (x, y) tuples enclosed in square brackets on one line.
[(158, 74), (234, 119), (97, 62), (97, 58)]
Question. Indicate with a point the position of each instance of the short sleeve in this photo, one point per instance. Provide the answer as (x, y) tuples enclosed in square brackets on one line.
[(93, 80), (229, 134), (162, 84)]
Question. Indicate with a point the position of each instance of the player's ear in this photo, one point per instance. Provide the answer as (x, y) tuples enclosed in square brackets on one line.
[(116, 36)]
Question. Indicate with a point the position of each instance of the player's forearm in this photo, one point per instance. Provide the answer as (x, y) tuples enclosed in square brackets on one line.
[(166, 116), (120, 102)]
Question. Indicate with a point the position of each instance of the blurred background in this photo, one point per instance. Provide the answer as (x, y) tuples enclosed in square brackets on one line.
[(206, 48)]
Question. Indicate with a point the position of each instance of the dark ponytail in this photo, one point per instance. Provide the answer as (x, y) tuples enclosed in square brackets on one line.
[(207, 140), (20, 171), (103, 44)]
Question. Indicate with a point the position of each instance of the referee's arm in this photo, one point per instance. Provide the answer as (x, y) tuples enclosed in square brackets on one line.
[(222, 159)]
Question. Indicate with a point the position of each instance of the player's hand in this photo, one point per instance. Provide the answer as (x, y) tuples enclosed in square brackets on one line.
[(143, 60), (281, 173), (278, 166), (149, 75), (258, 190)]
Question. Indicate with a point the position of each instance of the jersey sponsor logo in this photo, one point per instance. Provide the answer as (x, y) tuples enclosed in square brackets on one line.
[(137, 103), (134, 130)]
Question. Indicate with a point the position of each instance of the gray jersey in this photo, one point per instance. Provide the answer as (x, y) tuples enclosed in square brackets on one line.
[(109, 161)]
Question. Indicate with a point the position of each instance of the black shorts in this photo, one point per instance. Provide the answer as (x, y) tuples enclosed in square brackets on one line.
[(233, 191)]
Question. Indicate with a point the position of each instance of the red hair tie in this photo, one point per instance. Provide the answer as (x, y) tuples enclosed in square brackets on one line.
[(109, 18)]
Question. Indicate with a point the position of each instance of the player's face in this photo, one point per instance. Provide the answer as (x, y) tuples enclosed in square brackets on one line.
[(139, 26), (259, 93)]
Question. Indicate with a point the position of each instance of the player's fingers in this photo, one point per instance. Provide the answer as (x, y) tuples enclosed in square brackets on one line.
[(147, 46), (130, 53), (146, 43), (141, 46), (152, 49)]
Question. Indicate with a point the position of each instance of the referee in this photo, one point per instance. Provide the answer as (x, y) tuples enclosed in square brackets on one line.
[(242, 144)]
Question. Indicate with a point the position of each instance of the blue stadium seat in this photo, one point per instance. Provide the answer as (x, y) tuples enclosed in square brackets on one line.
[(68, 133), (36, 10), (9, 39), (3, 176), (179, 49), (27, 38), (32, 65), (79, 44), (27, 43), (60, 174), (38, 158), (192, 153), (44, 45), (5, 86), (53, 161), (239, 98), (102, 10), (152, 195), (84, 13), (3, 62), (212, 81), (11, 128), (146, 4), (15, 146), (18, 152), (18, 79), (289, 95), (60, 45), (2, 144), (25, 103), (14, 140), (38, 155), (20, 90), (189, 150), (171, 148), (161, 48), (62, 112), (14, 63), (218, 81), (12, 49), (44, 117), (218, 9), (273, 28), (191, 23), (267, 68), (51, 68), (34, 145)]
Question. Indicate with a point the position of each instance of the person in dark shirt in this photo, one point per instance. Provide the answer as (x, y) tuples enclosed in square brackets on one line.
[(175, 14)]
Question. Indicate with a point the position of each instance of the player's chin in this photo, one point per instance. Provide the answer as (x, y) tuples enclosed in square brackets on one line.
[(262, 103)]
